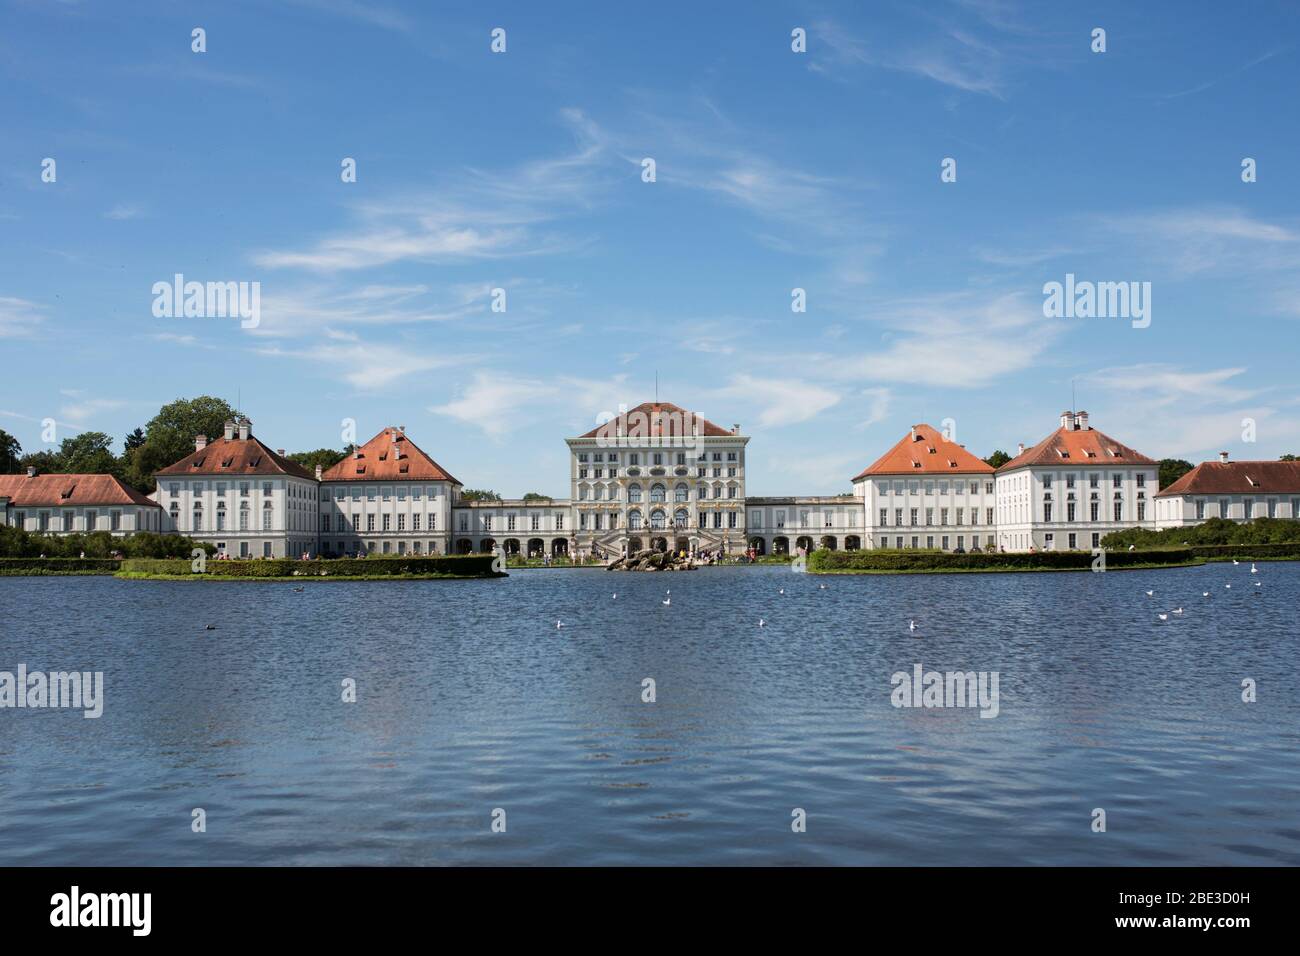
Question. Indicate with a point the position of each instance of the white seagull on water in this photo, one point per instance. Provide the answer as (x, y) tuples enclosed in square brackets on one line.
[(1163, 617), (911, 625), (761, 622), (559, 624)]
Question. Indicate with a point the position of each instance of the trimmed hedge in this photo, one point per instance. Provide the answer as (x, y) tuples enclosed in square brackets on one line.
[(471, 565), (16, 566), (1224, 552), (916, 560)]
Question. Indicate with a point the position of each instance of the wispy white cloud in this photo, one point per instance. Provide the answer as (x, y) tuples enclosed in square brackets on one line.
[(78, 411), (366, 366), (500, 403), (123, 211), (379, 15), (494, 215), (962, 340), (19, 318), (777, 401), (1166, 410), (952, 57)]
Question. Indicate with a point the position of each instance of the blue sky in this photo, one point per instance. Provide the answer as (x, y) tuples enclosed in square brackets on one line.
[(775, 170)]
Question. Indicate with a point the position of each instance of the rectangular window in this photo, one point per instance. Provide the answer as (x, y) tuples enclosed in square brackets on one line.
[(266, 549), (370, 522), (884, 517), (401, 522), (1119, 511), (415, 523)]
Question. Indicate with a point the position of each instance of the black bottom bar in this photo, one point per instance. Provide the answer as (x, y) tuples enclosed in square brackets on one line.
[(337, 905)]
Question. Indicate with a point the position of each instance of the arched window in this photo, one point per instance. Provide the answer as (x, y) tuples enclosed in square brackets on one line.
[(634, 521), (657, 493), (682, 493), (633, 492), (656, 519), (680, 518)]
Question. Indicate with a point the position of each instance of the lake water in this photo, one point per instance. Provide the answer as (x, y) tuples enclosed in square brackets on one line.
[(470, 699)]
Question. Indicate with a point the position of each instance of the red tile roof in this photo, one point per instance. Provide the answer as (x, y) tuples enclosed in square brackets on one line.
[(377, 460), (924, 451), (1237, 478), (233, 456), (657, 420), (1083, 446), (69, 491)]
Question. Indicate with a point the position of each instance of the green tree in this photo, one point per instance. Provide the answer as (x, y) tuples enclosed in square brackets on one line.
[(10, 453), (45, 462), (534, 496), (479, 494), (997, 459), (327, 458), (1283, 458), (169, 435), (132, 441), (1171, 469), (89, 453)]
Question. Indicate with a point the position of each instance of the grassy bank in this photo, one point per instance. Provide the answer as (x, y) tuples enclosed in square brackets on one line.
[(907, 561), (403, 568)]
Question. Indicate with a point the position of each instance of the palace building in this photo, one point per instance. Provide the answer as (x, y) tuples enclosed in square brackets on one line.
[(1235, 490), (76, 504), (240, 496), (386, 497), (928, 492), (1072, 489), (655, 476)]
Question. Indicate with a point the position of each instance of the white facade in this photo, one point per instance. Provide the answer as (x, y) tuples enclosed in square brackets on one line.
[(1237, 491), (64, 504), (1073, 489), (384, 516), (258, 516), (785, 525), (531, 528), (658, 477), (238, 496), (944, 512), (118, 520)]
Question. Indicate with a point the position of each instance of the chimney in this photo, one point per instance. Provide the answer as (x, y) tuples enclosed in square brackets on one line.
[(230, 430), (1020, 450), (1067, 419), (244, 427), (200, 442), (280, 452), (1223, 457), (31, 471), (1081, 420), (735, 429), (318, 471), (913, 433)]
